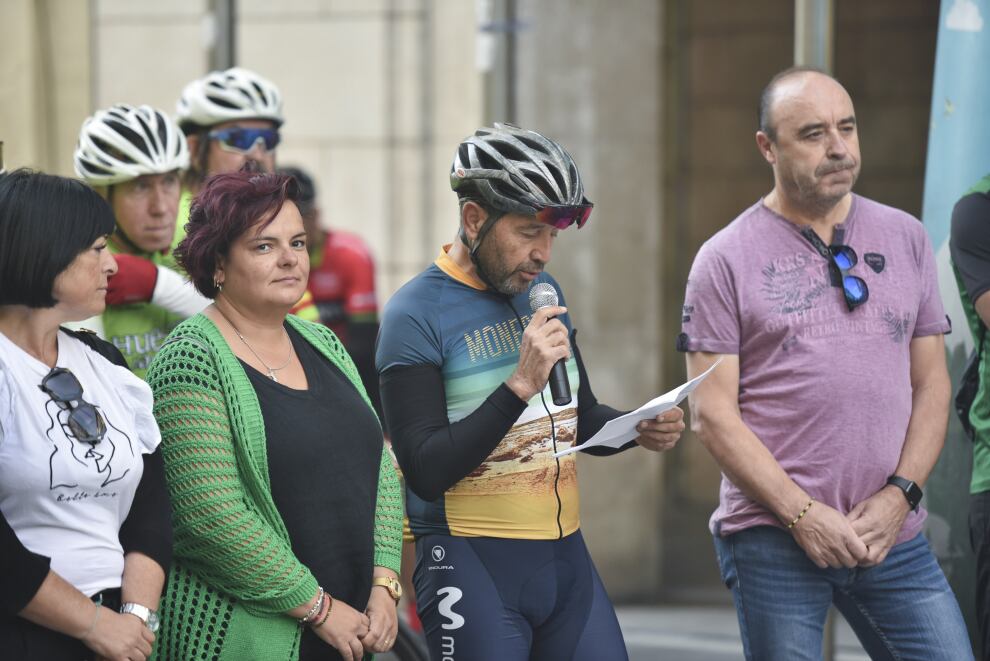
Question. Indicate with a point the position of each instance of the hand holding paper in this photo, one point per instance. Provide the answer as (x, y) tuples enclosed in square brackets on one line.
[(621, 430)]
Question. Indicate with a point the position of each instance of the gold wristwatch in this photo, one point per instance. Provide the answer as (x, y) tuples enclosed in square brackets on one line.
[(390, 584)]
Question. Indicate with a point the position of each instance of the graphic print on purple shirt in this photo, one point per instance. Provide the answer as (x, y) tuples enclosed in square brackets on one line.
[(828, 391)]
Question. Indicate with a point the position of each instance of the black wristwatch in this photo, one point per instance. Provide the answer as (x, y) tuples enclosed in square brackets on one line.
[(911, 490)]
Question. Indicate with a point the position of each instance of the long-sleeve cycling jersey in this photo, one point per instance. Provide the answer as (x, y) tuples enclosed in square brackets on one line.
[(477, 460)]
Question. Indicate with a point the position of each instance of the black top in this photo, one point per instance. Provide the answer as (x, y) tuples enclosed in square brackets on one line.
[(435, 454), (324, 451), (970, 243)]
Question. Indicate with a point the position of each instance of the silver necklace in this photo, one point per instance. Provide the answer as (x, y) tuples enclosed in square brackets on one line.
[(271, 370)]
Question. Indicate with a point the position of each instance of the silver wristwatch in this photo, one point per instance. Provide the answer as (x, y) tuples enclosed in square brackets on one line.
[(143, 613)]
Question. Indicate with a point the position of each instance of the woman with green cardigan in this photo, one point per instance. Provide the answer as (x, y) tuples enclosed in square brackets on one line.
[(287, 511)]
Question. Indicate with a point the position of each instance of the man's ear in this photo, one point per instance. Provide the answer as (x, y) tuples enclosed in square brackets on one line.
[(473, 218), (766, 147)]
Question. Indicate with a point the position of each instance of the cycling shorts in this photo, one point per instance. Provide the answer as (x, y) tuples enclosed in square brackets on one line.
[(493, 599)]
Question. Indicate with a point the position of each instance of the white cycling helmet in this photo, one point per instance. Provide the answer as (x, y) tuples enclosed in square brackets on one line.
[(222, 96), (124, 142)]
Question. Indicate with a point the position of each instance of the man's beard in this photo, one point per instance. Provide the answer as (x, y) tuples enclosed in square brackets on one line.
[(491, 263)]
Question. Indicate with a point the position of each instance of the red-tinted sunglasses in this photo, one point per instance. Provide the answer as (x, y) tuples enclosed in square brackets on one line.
[(563, 216)]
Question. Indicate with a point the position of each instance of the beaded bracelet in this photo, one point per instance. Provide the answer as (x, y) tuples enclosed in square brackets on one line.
[(315, 610), (801, 515), (325, 615)]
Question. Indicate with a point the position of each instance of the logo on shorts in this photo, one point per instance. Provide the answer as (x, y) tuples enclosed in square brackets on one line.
[(449, 597), (437, 554)]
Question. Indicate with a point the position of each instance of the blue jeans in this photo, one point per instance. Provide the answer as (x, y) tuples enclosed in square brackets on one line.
[(901, 609)]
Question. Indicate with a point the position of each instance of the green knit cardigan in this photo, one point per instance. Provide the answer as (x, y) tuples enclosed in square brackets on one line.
[(234, 574)]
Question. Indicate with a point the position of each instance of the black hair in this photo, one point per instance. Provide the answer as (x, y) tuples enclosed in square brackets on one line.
[(766, 97), (307, 189), (45, 223), (195, 174)]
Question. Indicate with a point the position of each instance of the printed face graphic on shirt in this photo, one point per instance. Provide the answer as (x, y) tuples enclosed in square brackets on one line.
[(76, 464)]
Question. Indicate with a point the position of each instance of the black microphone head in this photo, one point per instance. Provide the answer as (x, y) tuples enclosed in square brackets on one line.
[(542, 295)]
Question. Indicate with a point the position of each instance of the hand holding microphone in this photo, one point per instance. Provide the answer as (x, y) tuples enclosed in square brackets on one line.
[(544, 349)]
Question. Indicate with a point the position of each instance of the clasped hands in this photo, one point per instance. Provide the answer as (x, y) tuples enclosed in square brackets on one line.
[(352, 633), (861, 538)]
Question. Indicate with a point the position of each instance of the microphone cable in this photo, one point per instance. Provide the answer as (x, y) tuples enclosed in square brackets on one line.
[(553, 430)]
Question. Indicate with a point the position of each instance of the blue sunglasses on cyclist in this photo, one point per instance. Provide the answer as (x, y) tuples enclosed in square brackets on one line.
[(242, 140), (853, 287)]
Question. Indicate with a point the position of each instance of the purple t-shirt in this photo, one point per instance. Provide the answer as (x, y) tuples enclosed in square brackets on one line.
[(828, 391)]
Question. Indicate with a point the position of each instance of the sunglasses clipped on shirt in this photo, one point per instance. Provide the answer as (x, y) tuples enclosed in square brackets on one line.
[(842, 259), (85, 420), (853, 287), (242, 140)]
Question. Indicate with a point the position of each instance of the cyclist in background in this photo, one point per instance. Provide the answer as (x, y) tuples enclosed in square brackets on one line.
[(133, 157), (229, 118)]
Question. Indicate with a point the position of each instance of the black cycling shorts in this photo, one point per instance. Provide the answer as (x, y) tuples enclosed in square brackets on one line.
[(490, 599)]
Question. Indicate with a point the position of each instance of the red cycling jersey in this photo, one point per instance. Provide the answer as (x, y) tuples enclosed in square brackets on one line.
[(342, 282)]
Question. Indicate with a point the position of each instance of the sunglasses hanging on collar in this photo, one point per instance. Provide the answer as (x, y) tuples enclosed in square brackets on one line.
[(85, 420), (841, 259)]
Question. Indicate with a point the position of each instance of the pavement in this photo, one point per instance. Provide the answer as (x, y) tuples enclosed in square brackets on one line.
[(694, 633)]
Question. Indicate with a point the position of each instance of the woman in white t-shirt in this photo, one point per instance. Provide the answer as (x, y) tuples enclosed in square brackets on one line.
[(85, 536)]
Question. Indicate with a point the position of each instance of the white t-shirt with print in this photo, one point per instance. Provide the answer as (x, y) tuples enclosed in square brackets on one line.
[(67, 499)]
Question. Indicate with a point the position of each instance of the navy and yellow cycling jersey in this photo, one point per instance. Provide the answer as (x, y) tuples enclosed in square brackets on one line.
[(478, 461)]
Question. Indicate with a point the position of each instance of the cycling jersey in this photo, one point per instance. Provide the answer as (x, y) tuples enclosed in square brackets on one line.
[(138, 329), (477, 460), (342, 281), (446, 319)]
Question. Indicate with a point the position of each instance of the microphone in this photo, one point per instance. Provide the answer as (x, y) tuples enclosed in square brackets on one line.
[(543, 295)]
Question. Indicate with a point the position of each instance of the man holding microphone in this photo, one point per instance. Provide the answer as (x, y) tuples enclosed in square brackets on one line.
[(502, 570)]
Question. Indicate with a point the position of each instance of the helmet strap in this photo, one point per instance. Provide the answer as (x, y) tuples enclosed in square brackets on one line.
[(473, 251)]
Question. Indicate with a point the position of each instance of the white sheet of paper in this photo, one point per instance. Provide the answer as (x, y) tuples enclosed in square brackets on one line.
[(621, 430)]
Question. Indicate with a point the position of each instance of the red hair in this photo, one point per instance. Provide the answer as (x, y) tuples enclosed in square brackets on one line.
[(228, 206)]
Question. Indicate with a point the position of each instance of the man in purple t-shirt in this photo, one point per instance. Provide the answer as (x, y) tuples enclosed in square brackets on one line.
[(829, 409)]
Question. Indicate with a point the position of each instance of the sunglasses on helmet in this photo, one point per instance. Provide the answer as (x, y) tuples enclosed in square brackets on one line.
[(563, 216), (85, 420), (560, 216), (242, 140)]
